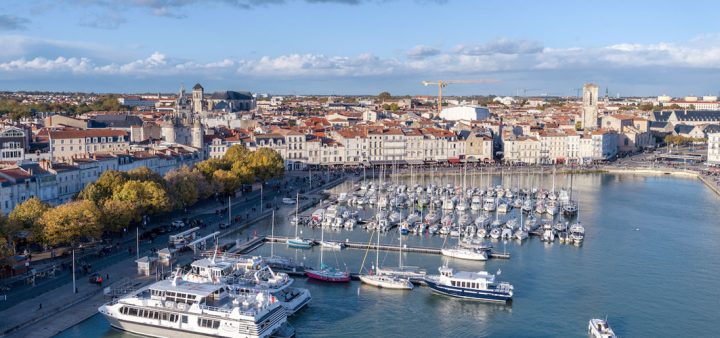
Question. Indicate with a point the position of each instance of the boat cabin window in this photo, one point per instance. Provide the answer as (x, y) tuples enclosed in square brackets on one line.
[(184, 319), (209, 323)]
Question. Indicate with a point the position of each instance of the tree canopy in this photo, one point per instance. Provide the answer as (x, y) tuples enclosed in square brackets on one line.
[(26, 216), (71, 222)]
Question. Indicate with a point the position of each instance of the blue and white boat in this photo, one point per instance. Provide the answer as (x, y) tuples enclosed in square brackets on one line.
[(470, 285)]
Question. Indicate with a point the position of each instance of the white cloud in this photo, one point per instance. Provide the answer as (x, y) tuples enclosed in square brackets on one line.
[(503, 56)]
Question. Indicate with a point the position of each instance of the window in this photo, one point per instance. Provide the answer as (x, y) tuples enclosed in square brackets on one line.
[(184, 319)]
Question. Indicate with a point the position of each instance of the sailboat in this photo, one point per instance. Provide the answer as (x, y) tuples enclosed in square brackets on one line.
[(327, 273), (298, 242), (463, 252), (329, 244), (384, 281), (277, 261), (402, 270)]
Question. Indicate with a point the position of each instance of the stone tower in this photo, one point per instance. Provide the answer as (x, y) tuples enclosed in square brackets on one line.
[(197, 134), (197, 98), (167, 128), (590, 106)]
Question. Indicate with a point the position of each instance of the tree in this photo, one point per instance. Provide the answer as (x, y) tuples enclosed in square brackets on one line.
[(646, 106), (71, 222), (103, 188), (244, 172), (267, 164), (237, 153), (145, 174), (144, 196), (183, 187), (26, 216), (117, 215), (384, 96), (226, 181), (210, 166)]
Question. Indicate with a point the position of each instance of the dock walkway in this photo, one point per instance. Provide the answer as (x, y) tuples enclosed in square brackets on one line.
[(385, 247)]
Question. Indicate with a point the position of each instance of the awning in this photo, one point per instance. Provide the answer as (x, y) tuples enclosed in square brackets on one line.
[(415, 162), (454, 160), (472, 160)]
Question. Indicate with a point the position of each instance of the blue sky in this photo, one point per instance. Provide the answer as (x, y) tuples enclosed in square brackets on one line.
[(360, 46)]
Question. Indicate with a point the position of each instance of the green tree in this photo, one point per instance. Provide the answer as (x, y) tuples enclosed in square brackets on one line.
[(144, 196), (384, 96), (102, 189), (117, 215), (71, 222), (226, 181), (244, 172), (26, 216), (267, 164)]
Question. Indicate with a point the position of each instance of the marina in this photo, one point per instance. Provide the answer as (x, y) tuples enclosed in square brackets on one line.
[(582, 287)]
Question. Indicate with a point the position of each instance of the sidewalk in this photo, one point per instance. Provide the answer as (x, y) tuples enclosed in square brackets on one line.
[(51, 318)]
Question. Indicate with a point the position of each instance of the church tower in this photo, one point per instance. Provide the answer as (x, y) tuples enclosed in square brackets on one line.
[(197, 98), (197, 134), (590, 106)]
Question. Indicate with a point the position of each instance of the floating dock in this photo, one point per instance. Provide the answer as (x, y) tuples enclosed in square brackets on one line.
[(385, 247)]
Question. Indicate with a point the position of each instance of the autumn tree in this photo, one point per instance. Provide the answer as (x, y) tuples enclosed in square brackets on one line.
[(26, 216), (117, 215), (71, 222), (102, 189), (227, 182), (145, 174), (144, 196), (186, 186), (267, 164), (210, 166)]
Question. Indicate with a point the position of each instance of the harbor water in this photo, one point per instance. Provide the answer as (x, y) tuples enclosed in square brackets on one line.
[(649, 264)]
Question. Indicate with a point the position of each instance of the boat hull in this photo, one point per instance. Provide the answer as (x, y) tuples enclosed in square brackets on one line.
[(318, 275), (472, 294), (299, 244), (385, 285)]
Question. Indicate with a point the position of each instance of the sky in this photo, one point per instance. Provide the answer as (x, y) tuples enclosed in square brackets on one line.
[(335, 47)]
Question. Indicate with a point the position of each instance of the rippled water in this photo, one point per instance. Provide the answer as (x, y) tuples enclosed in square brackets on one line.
[(649, 263)]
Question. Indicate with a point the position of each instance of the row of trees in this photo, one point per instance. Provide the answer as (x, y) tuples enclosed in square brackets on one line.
[(16, 110), (682, 140), (118, 199)]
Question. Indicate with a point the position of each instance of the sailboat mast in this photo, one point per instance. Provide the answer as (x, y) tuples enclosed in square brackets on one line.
[(297, 207), (400, 257), (322, 240), (272, 234), (377, 253)]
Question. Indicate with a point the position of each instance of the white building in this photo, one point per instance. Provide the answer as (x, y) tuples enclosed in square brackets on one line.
[(465, 113), (713, 157)]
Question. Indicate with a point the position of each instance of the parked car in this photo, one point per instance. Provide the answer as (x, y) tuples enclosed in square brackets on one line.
[(178, 224)]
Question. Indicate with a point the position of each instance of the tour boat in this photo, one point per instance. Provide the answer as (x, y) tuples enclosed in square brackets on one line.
[(599, 328), (176, 308), (470, 285)]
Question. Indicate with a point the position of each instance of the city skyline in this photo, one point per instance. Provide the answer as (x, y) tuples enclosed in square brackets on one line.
[(339, 47)]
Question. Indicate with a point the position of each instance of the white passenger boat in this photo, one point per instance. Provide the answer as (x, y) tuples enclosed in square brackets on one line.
[(176, 308), (599, 328), (465, 253)]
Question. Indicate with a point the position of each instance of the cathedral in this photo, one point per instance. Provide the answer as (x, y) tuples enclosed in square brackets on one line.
[(184, 126)]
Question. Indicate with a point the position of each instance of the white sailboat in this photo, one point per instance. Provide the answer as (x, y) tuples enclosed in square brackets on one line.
[(298, 242), (384, 281)]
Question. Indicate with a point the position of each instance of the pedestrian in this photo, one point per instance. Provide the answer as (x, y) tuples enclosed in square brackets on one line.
[(39, 306), (107, 276), (76, 289)]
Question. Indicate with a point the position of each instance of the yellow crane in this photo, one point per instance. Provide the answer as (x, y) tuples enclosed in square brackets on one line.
[(444, 83)]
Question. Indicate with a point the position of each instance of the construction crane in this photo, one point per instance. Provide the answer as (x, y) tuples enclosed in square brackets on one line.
[(444, 83)]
